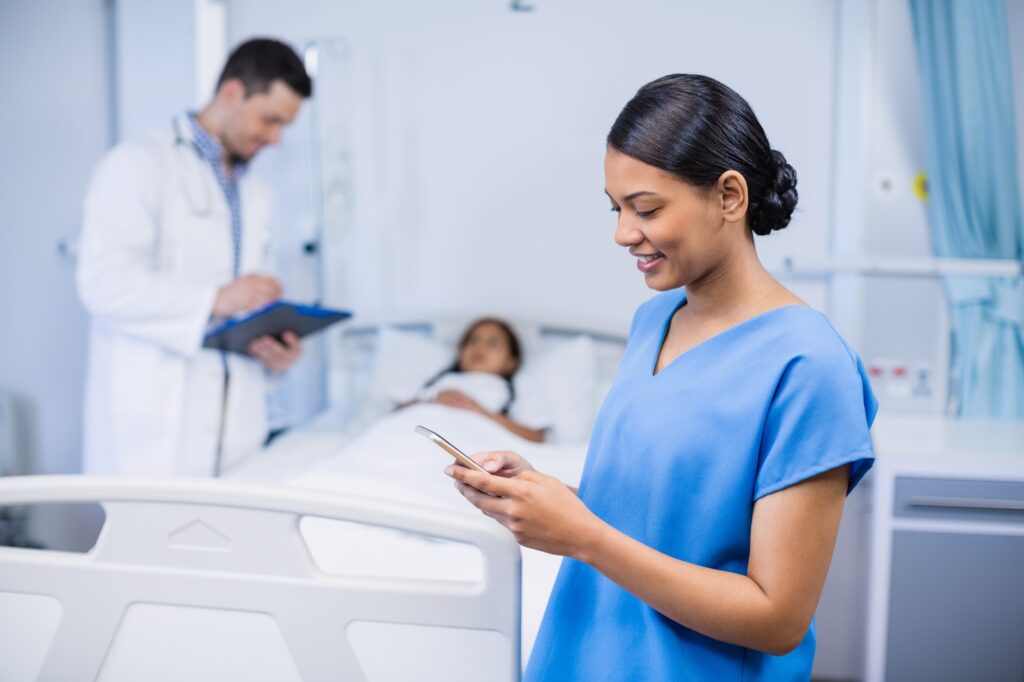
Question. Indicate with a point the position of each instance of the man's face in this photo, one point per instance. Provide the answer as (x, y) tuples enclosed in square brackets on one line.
[(257, 120)]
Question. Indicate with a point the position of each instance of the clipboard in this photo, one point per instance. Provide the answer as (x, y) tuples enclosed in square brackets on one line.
[(235, 335)]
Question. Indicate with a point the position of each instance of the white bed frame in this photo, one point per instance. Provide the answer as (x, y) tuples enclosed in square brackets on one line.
[(174, 551)]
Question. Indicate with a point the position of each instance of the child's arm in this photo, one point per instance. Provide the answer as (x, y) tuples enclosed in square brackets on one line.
[(533, 435), (453, 398)]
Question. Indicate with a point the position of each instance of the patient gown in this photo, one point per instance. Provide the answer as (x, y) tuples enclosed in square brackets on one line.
[(677, 460)]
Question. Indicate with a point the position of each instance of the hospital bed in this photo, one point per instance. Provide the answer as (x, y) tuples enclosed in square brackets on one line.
[(366, 564)]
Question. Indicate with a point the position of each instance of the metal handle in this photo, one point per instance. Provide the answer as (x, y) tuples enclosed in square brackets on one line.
[(934, 502), (906, 267)]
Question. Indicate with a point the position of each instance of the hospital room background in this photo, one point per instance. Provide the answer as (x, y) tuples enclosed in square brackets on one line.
[(450, 165)]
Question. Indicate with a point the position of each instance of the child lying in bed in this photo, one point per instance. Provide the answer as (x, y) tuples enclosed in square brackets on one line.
[(480, 379)]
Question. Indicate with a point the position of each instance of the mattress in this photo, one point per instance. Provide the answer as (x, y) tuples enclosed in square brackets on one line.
[(389, 461)]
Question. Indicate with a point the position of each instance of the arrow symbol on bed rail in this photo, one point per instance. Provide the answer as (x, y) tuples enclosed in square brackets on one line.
[(198, 535)]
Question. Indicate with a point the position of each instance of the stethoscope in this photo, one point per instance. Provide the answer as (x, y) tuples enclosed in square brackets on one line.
[(199, 200)]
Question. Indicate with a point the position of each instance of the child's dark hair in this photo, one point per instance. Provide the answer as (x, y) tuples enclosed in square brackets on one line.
[(697, 128), (514, 348)]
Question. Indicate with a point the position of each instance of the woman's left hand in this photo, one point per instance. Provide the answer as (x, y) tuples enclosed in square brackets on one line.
[(453, 398), (540, 511)]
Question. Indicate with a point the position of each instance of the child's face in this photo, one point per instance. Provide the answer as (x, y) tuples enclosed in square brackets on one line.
[(487, 350)]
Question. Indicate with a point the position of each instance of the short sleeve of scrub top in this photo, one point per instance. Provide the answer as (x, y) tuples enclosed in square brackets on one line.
[(677, 461)]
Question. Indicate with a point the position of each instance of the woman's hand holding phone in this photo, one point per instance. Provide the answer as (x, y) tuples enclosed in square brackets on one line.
[(502, 463), (540, 511)]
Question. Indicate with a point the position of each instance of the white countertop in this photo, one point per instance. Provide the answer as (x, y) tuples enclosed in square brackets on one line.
[(932, 444)]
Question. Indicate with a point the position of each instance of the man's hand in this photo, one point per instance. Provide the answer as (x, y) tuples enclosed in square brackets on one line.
[(246, 293), (274, 355)]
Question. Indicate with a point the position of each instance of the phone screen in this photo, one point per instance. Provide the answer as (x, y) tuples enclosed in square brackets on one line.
[(460, 457)]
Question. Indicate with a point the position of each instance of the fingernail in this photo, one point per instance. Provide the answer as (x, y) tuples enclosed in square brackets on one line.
[(491, 466), (449, 470)]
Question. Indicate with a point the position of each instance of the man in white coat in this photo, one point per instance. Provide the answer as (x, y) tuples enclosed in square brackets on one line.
[(175, 236)]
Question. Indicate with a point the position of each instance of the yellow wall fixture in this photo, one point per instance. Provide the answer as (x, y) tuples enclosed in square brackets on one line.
[(921, 186)]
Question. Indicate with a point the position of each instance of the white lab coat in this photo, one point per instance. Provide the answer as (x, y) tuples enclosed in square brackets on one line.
[(155, 248)]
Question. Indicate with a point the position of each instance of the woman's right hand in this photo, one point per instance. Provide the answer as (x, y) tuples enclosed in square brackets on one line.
[(502, 463), (541, 512)]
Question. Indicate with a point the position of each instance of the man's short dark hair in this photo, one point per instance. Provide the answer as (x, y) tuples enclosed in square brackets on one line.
[(261, 61)]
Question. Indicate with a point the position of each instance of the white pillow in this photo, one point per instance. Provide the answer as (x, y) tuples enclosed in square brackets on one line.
[(556, 388), (404, 362)]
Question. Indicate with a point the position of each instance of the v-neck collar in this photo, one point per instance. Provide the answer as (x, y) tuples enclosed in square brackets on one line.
[(667, 324)]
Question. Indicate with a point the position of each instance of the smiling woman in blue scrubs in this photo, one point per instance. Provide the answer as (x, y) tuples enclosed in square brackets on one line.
[(700, 537)]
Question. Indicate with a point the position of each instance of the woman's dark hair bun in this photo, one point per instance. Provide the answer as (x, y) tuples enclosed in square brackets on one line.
[(697, 128), (775, 207)]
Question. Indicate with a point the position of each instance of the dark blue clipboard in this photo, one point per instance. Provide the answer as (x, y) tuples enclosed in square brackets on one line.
[(235, 335)]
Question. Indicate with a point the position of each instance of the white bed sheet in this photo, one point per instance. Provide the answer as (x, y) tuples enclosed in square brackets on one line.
[(390, 461)]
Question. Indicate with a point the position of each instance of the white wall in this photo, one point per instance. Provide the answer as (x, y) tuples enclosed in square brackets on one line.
[(904, 319), (156, 70), (477, 137), (56, 119)]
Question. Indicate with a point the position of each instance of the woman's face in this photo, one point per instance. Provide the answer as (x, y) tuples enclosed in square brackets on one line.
[(675, 230), (487, 350)]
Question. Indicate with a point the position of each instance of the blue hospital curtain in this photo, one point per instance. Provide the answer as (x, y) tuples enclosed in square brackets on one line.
[(974, 208)]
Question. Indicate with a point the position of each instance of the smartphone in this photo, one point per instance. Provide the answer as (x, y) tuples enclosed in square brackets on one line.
[(460, 456)]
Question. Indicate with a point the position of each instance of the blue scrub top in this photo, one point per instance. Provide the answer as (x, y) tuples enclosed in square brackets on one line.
[(677, 460)]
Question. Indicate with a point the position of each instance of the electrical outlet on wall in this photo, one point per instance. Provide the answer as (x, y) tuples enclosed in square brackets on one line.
[(921, 382), (902, 385)]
